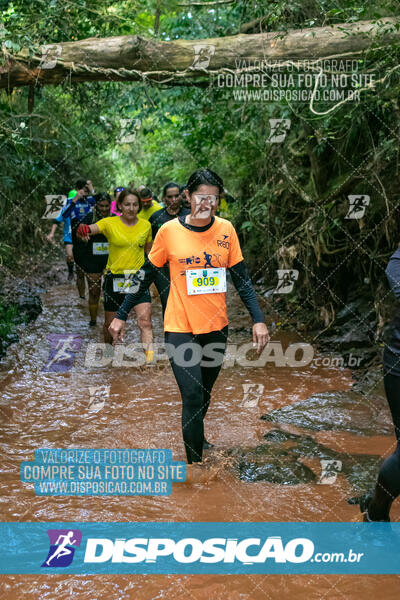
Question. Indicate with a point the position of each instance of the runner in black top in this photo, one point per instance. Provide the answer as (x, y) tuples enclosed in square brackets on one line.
[(173, 208), (76, 209), (91, 256), (376, 506)]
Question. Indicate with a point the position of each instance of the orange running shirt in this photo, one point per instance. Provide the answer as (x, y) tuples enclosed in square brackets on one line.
[(187, 250)]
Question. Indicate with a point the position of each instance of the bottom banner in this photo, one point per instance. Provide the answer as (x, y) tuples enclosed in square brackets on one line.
[(192, 548)]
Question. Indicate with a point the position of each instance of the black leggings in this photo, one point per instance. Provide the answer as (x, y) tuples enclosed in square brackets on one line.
[(388, 485), (195, 379)]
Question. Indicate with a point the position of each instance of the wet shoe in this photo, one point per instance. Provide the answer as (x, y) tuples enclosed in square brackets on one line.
[(207, 445), (200, 473), (364, 501), (366, 519), (364, 504)]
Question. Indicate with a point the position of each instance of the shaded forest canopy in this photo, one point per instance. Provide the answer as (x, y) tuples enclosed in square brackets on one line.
[(292, 197)]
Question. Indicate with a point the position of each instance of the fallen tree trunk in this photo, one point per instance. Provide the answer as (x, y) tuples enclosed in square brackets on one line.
[(187, 62)]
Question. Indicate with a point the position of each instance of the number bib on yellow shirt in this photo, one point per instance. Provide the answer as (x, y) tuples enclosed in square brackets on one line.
[(100, 248), (206, 281)]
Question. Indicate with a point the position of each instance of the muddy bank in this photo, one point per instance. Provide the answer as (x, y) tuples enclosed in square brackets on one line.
[(19, 305), (355, 340), (290, 454), (289, 459), (20, 298), (351, 411), (354, 332)]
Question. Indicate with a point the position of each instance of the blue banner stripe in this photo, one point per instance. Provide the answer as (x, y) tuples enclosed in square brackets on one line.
[(207, 548)]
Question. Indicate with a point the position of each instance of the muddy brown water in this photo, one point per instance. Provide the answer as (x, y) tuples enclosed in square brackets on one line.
[(50, 410)]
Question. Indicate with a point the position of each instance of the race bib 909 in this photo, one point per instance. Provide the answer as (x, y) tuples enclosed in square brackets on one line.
[(206, 281)]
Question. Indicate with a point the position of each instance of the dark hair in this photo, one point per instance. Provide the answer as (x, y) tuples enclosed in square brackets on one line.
[(169, 185), (80, 183), (102, 196), (129, 192), (146, 193), (204, 176)]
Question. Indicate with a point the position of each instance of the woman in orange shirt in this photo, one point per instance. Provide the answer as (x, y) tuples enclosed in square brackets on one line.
[(199, 247)]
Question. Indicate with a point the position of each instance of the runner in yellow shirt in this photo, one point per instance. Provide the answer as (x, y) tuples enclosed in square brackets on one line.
[(199, 248), (129, 238)]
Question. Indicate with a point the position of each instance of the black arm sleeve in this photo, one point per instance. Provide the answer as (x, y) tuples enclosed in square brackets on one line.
[(150, 272), (242, 282), (393, 273), (154, 227)]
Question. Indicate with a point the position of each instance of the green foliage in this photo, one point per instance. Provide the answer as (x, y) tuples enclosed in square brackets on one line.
[(8, 318), (291, 197)]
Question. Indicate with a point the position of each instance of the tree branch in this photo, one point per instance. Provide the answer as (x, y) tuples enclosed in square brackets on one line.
[(157, 17), (213, 3), (252, 26), (188, 62)]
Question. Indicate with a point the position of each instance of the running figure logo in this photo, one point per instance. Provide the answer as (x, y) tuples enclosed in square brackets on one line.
[(279, 129), (129, 129), (202, 55), (286, 277), (98, 396), (61, 551), (357, 206), (50, 54), (63, 347), (132, 280), (329, 471), (53, 205), (207, 258), (252, 393)]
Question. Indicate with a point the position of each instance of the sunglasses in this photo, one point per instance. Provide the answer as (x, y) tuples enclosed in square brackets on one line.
[(120, 189)]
